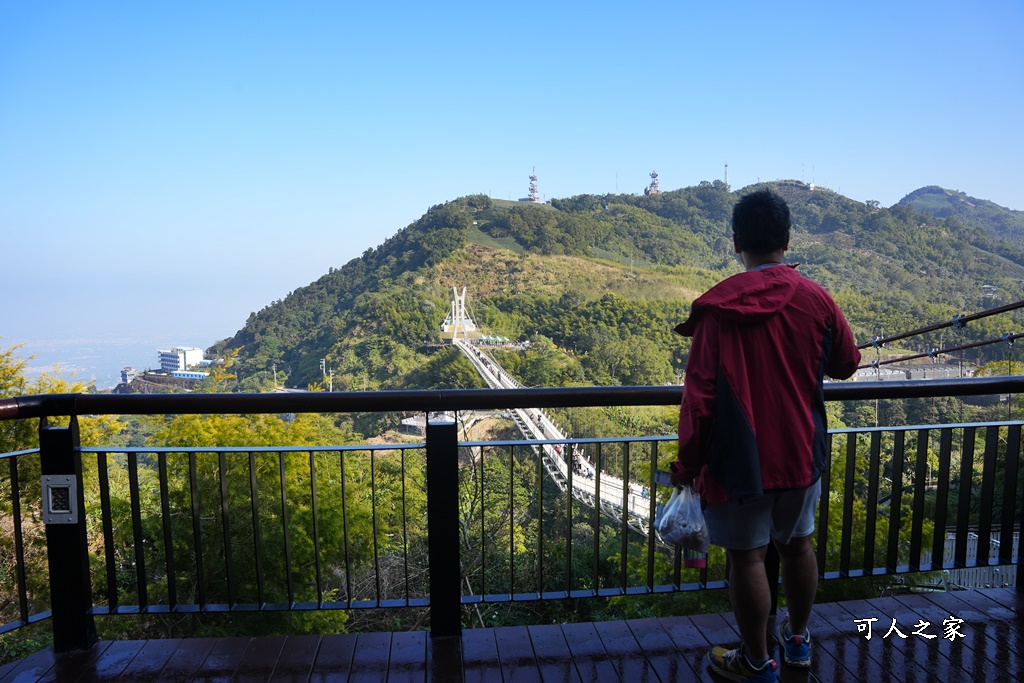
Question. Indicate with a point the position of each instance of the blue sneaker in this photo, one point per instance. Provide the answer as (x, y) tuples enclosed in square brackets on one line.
[(735, 666), (796, 649)]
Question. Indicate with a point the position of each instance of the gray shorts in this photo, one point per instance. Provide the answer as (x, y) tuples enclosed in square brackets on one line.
[(782, 515)]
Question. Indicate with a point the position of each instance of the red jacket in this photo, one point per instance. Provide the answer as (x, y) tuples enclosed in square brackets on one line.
[(753, 412)]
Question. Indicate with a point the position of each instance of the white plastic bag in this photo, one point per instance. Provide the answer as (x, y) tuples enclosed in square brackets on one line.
[(681, 521)]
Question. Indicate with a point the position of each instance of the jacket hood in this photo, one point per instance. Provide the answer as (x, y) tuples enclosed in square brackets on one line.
[(747, 298)]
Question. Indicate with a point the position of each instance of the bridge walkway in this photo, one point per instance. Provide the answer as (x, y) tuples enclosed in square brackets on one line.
[(535, 425)]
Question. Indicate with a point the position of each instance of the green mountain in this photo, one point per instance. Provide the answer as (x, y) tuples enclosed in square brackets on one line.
[(597, 283), (996, 220)]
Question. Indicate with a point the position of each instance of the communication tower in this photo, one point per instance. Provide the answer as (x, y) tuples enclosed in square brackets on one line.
[(533, 196), (653, 187), (727, 176)]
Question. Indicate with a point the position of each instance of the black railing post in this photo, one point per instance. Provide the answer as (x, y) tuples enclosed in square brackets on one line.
[(66, 541), (443, 529)]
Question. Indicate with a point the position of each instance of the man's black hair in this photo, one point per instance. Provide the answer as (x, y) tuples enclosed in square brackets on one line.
[(760, 222)]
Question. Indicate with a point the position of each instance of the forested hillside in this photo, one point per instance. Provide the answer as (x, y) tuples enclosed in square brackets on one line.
[(598, 282), (987, 216)]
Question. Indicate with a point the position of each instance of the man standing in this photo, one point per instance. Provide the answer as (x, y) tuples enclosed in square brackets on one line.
[(752, 428)]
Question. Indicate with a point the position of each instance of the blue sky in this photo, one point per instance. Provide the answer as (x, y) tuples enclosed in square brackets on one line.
[(166, 168)]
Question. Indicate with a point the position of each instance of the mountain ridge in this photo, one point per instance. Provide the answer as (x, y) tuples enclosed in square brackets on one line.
[(595, 278)]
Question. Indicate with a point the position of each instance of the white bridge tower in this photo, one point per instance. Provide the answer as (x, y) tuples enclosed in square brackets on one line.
[(459, 320)]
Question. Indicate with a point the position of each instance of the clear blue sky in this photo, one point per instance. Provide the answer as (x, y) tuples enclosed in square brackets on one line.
[(166, 168)]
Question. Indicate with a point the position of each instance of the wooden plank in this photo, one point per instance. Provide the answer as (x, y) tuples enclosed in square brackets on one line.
[(657, 645), (624, 652), (30, 668), (588, 652), (333, 658), (554, 661), (259, 659), (219, 666), (929, 653), (444, 659), (408, 663), (480, 656), (984, 601), (370, 663), (515, 654), (186, 660), (296, 660), (967, 654), (988, 628), (150, 660), (895, 654), (834, 631), (69, 666), (113, 661), (691, 642)]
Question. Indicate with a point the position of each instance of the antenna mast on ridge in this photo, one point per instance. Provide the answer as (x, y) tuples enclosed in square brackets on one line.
[(653, 188), (533, 196)]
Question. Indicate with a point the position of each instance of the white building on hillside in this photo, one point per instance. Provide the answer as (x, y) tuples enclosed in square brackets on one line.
[(179, 358)]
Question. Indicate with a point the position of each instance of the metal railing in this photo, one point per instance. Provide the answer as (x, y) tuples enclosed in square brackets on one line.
[(443, 524)]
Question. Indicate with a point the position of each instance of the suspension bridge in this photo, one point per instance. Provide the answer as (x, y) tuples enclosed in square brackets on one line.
[(590, 486)]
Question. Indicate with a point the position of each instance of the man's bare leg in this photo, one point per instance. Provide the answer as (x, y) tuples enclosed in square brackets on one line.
[(799, 580), (751, 599)]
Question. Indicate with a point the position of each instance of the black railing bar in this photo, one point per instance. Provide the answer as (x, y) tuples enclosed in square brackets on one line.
[(846, 534), (823, 506), (257, 546), (285, 526), (917, 506), (959, 320), (44, 405), (624, 529), (942, 496), (344, 529), (596, 523), (165, 508), (988, 486), (244, 449), (135, 501), (895, 510), (511, 519), (102, 474), (652, 498), (225, 526), (936, 352), (19, 542), (405, 533), (483, 524), (963, 515), (569, 525), (373, 517), (316, 529), (1010, 466), (197, 532), (420, 401), (540, 518), (874, 467)]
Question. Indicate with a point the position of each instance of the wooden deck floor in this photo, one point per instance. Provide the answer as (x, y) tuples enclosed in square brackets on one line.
[(667, 649)]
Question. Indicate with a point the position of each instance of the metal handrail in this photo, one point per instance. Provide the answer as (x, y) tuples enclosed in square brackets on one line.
[(50, 405)]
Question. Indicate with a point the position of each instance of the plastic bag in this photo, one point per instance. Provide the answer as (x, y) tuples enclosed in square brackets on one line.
[(681, 521)]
